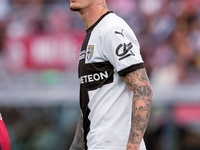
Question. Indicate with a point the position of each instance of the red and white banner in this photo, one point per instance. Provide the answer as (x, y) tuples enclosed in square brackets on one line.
[(42, 52)]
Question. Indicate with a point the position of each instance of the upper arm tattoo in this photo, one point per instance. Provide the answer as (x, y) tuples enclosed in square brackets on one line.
[(138, 82), (139, 74)]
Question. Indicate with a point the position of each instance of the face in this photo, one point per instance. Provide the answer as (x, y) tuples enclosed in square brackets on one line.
[(78, 5), (141, 111)]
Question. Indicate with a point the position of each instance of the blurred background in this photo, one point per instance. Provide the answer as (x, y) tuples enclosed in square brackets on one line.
[(39, 88)]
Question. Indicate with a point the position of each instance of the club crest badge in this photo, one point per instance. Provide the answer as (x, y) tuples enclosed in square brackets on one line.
[(90, 51)]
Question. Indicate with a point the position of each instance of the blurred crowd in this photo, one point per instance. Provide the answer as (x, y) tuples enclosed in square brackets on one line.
[(169, 34), (41, 128), (168, 30)]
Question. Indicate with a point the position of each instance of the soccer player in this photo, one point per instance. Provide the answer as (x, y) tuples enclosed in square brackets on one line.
[(4, 138), (115, 93)]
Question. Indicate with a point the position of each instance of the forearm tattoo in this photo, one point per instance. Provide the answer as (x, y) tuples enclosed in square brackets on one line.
[(78, 142), (138, 82), (102, 4), (132, 148)]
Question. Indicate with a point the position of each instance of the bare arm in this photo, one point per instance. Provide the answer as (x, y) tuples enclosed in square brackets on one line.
[(138, 82), (78, 142)]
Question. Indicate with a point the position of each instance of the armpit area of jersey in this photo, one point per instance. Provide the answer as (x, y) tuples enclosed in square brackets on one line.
[(4, 138), (131, 68)]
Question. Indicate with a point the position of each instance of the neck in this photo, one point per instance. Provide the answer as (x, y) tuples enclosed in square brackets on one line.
[(92, 13)]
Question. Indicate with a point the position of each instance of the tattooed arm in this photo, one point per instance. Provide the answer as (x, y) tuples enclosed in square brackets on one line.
[(138, 82), (78, 142)]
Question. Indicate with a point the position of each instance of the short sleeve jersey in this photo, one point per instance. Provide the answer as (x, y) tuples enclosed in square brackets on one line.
[(109, 51)]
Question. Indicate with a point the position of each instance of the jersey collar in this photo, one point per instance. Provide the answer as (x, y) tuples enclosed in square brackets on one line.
[(92, 27)]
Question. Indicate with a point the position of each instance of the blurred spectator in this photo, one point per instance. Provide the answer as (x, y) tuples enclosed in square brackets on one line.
[(57, 21), (2, 35), (4, 9)]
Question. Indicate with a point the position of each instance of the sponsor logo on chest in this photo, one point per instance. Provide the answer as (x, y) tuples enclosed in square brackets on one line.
[(93, 77), (82, 54)]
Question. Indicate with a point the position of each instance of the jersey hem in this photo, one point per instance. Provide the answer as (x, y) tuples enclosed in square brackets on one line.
[(131, 68)]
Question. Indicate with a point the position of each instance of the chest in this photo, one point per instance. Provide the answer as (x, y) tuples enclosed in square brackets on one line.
[(93, 67), (91, 57)]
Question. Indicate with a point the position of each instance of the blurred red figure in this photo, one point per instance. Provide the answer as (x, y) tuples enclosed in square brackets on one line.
[(4, 138)]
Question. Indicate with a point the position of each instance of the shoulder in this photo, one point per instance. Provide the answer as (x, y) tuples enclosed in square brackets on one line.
[(112, 20), (113, 24)]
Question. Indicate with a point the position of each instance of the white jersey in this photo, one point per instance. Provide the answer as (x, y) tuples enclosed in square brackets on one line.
[(109, 50)]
